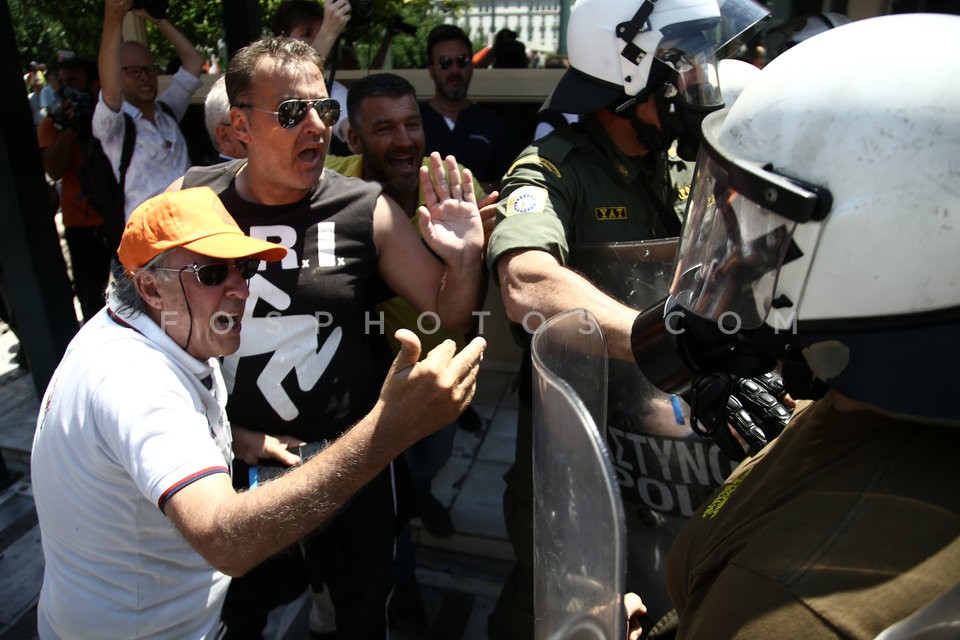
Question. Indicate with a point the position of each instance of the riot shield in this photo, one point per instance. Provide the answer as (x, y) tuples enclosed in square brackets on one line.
[(635, 273), (664, 469), (578, 525), (939, 620)]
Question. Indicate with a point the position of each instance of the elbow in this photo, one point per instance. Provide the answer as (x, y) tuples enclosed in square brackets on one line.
[(193, 63), (517, 311), (227, 559), (194, 69), (232, 569), (514, 292), (224, 552)]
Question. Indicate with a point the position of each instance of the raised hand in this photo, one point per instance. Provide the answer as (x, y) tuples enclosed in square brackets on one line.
[(421, 396), (116, 9), (336, 14), (450, 222)]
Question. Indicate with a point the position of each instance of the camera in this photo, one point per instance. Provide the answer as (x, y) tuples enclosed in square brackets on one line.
[(361, 12), (75, 111), (156, 8), (398, 25)]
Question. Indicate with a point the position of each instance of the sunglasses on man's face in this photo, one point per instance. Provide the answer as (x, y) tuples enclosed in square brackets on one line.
[(290, 113), (215, 273), (463, 61)]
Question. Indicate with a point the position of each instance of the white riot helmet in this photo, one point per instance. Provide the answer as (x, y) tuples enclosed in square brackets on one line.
[(823, 217), (621, 52), (735, 75), (629, 49), (792, 32)]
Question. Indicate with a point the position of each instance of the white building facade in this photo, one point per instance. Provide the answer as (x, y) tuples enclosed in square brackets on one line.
[(536, 21)]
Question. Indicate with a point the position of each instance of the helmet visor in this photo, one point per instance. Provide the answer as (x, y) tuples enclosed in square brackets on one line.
[(737, 17), (690, 49), (697, 81), (730, 253), (739, 233)]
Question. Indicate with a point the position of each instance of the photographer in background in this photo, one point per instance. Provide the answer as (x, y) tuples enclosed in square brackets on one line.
[(61, 137), (128, 83)]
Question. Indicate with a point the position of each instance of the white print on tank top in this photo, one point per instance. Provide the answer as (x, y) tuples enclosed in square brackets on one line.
[(293, 339)]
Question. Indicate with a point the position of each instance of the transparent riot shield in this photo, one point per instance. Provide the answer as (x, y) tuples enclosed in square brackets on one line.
[(578, 525), (939, 620), (665, 470), (635, 273)]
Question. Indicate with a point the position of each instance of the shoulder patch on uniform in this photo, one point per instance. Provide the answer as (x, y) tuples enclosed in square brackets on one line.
[(526, 199), (534, 159), (549, 166)]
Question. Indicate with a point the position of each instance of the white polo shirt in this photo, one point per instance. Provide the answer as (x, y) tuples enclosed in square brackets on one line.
[(126, 422)]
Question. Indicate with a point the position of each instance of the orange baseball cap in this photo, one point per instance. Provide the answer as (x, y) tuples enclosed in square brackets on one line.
[(194, 219)]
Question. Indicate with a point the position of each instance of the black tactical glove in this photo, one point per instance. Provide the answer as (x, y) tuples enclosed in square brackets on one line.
[(751, 406)]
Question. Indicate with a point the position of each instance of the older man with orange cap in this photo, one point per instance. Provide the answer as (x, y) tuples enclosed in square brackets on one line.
[(131, 460)]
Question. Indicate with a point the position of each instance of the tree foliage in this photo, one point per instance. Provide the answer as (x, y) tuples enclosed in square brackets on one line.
[(43, 27)]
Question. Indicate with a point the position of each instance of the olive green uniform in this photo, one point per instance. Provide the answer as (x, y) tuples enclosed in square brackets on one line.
[(575, 187), (572, 188), (845, 524)]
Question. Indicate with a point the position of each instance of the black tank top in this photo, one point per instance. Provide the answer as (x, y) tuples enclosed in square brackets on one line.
[(312, 355)]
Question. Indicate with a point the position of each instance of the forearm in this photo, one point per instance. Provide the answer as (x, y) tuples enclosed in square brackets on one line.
[(536, 287), (324, 41), (460, 294), (108, 59), (56, 157), (235, 532), (336, 15), (249, 527), (190, 58)]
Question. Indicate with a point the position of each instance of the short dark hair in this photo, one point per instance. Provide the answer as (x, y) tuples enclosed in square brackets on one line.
[(442, 33), (294, 12), (88, 66), (378, 84), (285, 52)]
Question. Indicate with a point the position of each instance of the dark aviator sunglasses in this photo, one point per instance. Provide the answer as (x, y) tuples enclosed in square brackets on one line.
[(215, 273), (463, 61), (290, 113)]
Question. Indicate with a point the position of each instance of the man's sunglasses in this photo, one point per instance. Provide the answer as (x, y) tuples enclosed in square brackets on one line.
[(463, 61), (290, 113), (150, 70), (215, 273)]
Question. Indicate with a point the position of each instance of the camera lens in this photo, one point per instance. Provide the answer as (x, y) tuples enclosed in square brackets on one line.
[(361, 11)]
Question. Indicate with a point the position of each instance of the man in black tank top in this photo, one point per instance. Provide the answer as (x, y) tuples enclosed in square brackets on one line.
[(313, 354)]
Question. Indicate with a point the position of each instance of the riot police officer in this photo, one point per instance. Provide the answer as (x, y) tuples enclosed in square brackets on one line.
[(642, 75), (820, 234)]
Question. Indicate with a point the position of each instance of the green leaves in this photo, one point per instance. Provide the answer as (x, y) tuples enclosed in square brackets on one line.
[(43, 27)]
